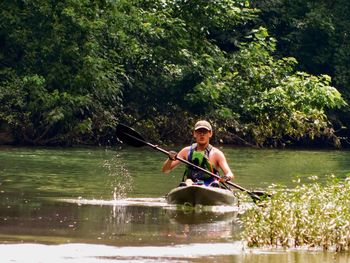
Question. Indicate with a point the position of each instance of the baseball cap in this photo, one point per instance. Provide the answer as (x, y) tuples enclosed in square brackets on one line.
[(202, 125)]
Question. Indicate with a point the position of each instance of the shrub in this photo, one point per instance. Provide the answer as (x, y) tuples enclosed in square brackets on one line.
[(315, 215)]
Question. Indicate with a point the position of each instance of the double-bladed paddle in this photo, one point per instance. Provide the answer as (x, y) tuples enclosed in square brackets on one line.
[(130, 136)]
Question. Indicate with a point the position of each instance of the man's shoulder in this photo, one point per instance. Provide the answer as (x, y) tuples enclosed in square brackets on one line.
[(216, 150), (185, 150)]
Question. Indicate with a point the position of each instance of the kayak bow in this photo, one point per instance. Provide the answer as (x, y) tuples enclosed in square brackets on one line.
[(201, 195)]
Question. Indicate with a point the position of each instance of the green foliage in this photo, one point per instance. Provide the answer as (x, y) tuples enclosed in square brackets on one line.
[(177, 49), (58, 66), (312, 215), (270, 100), (71, 70), (316, 33)]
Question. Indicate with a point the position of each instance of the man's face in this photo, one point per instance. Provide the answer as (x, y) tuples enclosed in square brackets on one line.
[(202, 136)]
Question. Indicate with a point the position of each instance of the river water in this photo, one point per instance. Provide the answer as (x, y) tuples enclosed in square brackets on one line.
[(107, 205)]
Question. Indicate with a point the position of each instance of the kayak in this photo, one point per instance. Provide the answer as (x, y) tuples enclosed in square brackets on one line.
[(201, 195)]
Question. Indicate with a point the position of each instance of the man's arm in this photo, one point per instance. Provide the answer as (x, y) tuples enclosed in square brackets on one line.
[(171, 162), (228, 174)]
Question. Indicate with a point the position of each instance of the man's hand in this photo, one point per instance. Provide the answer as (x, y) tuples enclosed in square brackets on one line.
[(226, 177), (172, 155)]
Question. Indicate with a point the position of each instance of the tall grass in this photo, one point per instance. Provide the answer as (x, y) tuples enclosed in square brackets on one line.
[(313, 215)]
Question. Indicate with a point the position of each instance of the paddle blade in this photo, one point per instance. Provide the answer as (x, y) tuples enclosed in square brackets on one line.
[(129, 136)]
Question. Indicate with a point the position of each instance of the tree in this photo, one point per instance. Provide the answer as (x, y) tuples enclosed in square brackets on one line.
[(316, 33), (70, 70), (266, 100), (59, 80)]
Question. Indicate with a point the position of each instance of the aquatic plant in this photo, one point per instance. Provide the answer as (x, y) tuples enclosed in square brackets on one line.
[(313, 215)]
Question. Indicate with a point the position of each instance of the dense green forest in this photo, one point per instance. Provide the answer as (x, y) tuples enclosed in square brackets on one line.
[(265, 73)]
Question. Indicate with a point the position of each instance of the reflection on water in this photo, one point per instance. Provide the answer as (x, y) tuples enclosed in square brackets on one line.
[(84, 197), (94, 221), (216, 222)]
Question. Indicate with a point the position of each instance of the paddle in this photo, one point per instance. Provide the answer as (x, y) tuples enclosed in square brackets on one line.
[(130, 136)]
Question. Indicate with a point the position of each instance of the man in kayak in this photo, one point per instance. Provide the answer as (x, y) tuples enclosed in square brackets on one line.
[(202, 154)]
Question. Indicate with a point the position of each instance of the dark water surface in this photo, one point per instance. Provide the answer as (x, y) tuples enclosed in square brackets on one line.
[(107, 205)]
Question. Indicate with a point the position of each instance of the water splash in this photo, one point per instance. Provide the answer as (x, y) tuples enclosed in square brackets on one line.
[(122, 180), (146, 202)]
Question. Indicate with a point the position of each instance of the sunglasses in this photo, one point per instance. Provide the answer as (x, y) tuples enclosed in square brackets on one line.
[(202, 131)]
